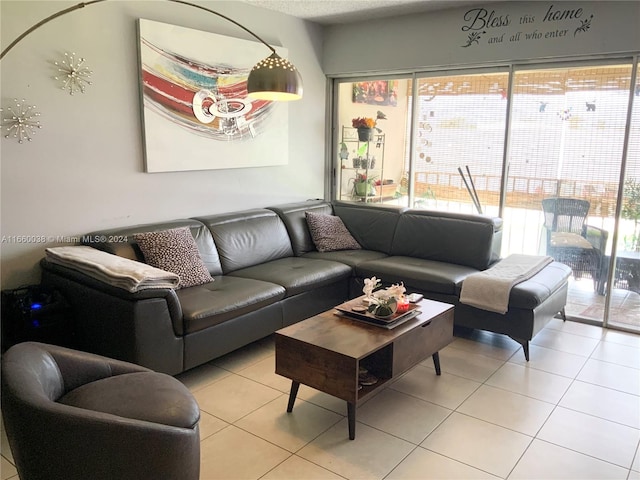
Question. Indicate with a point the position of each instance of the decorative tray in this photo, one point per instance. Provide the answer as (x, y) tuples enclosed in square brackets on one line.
[(347, 308)]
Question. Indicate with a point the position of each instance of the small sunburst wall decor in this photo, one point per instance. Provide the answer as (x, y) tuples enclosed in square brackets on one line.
[(22, 123), (74, 76)]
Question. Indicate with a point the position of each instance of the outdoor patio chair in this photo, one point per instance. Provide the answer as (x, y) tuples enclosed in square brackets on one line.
[(571, 241)]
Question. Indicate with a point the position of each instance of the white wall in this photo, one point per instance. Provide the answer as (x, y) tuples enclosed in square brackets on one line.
[(83, 170), (438, 39)]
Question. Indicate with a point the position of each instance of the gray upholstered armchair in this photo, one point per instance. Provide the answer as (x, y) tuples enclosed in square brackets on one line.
[(74, 415)]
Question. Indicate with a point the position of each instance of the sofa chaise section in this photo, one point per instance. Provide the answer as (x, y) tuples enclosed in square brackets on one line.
[(432, 252), (532, 304)]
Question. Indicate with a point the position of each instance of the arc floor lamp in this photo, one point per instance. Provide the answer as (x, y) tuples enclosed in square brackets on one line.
[(273, 78)]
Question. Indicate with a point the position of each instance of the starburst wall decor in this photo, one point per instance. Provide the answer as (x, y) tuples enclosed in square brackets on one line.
[(23, 121), (75, 76)]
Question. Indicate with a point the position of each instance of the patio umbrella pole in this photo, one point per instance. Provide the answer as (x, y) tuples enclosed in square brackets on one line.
[(475, 193), (473, 198)]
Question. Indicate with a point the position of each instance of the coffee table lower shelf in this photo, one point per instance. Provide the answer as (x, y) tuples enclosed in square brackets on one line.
[(327, 351), (351, 406)]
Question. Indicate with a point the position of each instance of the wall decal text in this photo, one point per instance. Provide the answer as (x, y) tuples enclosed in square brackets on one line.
[(550, 22)]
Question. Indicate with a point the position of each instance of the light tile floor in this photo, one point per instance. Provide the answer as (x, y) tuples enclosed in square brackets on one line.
[(572, 412)]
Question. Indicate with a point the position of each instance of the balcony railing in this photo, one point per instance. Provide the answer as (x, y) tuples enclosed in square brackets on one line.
[(522, 192)]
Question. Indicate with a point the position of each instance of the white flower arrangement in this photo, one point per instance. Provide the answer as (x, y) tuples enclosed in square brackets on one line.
[(371, 284), (397, 291), (383, 302)]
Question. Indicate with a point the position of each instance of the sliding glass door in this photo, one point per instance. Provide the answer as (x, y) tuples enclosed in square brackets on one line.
[(564, 162), (522, 143), (624, 302)]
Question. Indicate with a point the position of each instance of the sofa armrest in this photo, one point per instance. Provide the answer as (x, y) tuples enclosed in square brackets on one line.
[(110, 289), (145, 328), (61, 369)]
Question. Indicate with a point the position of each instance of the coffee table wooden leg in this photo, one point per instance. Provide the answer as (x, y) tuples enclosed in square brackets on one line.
[(436, 362), (292, 395), (351, 415)]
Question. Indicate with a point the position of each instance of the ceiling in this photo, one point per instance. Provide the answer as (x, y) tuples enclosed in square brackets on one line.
[(332, 12)]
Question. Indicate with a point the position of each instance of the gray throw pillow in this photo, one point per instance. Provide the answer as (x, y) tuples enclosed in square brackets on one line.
[(329, 233), (174, 251)]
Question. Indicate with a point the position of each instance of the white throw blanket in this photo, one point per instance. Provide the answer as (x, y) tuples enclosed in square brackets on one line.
[(490, 289), (111, 269)]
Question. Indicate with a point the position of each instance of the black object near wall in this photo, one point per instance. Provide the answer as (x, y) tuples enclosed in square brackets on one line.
[(35, 313)]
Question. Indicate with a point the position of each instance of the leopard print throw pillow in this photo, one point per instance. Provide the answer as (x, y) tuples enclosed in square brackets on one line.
[(329, 233), (174, 251)]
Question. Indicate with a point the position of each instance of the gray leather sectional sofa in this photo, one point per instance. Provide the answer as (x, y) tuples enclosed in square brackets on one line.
[(268, 274)]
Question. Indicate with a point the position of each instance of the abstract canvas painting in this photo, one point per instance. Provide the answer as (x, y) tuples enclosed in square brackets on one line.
[(196, 112)]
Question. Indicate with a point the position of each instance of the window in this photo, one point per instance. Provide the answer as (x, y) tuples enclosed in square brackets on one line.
[(460, 127)]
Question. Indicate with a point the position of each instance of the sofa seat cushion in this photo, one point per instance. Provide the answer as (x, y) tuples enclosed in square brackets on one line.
[(139, 396), (224, 299), (532, 292), (297, 274), (417, 274), (349, 257)]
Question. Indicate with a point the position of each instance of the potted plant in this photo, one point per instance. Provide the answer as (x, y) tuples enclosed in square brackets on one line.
[(631, 211), (366, 125), (364, 185)]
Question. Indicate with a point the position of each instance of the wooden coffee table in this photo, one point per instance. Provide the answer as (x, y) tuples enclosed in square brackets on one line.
[(326, 352)]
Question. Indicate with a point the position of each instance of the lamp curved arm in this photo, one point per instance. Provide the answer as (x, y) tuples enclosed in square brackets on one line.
[(273, 78), (86, 4)]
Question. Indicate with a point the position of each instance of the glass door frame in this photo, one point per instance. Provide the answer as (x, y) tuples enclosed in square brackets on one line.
[(620, 198)]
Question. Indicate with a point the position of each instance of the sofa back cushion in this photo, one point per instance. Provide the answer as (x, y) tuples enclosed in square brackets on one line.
[(248, 238), (293, 216), (470, 240), (121, 242), (372, 226)]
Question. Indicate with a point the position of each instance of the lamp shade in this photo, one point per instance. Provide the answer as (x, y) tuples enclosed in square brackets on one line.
[(274, 78)]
